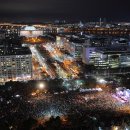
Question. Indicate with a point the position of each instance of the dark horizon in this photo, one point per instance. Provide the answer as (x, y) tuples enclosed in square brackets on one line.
[(71, 10)]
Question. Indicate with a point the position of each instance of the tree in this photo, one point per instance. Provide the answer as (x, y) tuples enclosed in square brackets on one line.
[(28, 124)]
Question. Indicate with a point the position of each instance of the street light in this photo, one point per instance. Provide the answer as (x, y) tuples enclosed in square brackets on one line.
[(41, 85)]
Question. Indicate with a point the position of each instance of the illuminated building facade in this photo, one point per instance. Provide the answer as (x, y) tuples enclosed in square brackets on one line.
[(31, 31), (75, 48), (15, 64), (61, 41), (105, 58)]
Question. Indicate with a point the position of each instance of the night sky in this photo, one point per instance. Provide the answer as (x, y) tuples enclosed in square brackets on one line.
[(42, 10)]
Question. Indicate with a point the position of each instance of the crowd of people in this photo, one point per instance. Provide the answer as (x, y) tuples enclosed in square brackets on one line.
[(17, 105)]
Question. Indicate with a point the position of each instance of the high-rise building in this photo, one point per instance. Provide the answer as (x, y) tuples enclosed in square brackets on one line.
[(15, 64), (75, 47)]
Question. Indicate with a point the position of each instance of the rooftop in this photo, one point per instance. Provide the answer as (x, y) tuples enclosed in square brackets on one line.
[(29, 28), (7, 51), (113, 50)]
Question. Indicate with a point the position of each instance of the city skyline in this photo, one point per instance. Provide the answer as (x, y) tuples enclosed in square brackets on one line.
[(64, 65)]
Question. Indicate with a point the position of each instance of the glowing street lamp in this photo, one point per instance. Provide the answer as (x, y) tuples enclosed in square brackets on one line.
[(41, 85)]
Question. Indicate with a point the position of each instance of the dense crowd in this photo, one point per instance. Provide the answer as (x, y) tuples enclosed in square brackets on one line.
[(17, 104)]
